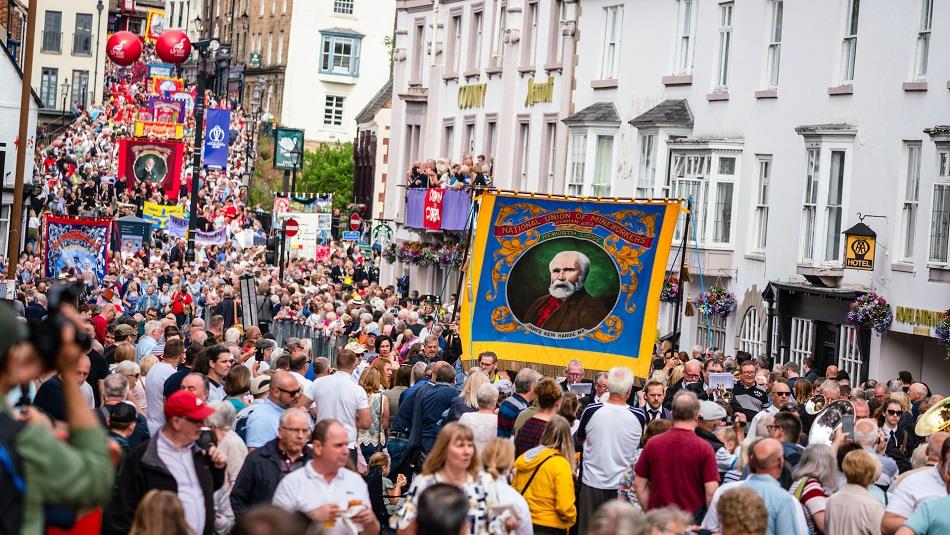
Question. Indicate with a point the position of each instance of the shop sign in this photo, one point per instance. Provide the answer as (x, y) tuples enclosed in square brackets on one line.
[(922, 319), (472, 96), (538, 93), (255, 59), (859, 247)]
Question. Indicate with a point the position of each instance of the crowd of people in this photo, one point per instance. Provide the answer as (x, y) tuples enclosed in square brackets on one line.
[(378, 422)]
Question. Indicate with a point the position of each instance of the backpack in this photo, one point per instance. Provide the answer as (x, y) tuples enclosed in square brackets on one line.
[(12, 484)]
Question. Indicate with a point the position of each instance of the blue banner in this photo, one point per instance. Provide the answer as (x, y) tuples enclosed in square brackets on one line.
[(217, 126)]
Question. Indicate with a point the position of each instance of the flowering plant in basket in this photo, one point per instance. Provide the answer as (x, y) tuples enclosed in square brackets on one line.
[(871, 311), (943, 330), (717, 301), (671, 290)]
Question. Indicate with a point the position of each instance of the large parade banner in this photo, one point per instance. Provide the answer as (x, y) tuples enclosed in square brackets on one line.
[(217, 128), (158, 162), (555, 279), (167, 110), (79, 245), (158, 214), (215, 237)]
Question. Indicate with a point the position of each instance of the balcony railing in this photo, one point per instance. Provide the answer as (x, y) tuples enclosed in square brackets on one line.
[(52, 42), (82, 44)]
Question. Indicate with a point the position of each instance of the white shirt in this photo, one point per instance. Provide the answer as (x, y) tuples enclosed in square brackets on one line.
[(752, 435), (611, 434), (181, 463), (154, 395), (914, 490), (215, 391), (337, 396), (302, 381), (303, 490), (509, 496), (87, 394)]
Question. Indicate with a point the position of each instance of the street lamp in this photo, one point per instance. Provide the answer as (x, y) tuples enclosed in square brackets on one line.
[(205, 47), (65, 88)]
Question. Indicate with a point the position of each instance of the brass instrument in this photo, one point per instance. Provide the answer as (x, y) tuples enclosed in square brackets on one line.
[(723, 394), (816, 404), (827, 423), (936, 419)]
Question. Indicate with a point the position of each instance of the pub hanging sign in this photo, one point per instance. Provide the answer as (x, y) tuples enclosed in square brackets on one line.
[(860, 242)]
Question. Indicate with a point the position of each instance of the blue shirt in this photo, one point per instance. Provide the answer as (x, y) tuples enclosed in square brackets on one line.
[(784, 510), (432, 405), (931, 517), (262, 424)]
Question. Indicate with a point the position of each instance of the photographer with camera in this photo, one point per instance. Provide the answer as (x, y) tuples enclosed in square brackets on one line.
[(40, 469)]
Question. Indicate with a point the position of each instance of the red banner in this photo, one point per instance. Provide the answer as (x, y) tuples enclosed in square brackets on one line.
[(579, 219), (432, 209), (158, 162)]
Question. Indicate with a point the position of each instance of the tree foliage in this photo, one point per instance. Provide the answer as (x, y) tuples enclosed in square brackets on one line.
[(329, 169)]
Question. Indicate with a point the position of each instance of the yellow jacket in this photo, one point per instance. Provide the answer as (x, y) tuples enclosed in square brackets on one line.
[(551, 494)]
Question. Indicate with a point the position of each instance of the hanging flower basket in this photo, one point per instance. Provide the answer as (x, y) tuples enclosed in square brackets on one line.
[(871, 311), (717, 302), (671, 290), (389, 253), (423, 254), (942, 330)]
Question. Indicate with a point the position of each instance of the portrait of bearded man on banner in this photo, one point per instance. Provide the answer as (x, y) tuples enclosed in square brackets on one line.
[(567, 307), (150, 167)]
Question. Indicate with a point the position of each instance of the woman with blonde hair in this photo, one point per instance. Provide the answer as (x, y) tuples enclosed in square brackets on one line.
[(498, 458), (373, 439), (123, 351), (544, 475), (902, 398), (467, 401), (159, 513), (453, 461), (853, 510)]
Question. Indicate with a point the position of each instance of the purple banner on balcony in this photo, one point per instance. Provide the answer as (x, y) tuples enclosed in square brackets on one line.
[(455, 208)]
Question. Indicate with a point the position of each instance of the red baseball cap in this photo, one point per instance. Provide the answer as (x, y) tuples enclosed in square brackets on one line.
[(186, 404)]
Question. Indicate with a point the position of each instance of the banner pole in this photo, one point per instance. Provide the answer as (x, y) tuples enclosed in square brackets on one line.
[(464, 269), (679, 283)]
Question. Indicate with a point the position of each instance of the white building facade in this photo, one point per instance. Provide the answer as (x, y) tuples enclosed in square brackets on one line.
[(11, 83), (782, 121), (480, 77), (69, 52), (337, 59)]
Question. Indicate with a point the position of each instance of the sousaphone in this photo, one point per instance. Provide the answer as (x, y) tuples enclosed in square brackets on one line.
[(826, 425), (936, 419)]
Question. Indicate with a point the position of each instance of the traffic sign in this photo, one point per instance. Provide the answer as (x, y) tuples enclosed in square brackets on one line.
[(291, 227), (355, 221), (351, 235)]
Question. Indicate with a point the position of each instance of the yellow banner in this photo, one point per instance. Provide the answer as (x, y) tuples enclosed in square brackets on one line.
[(555, 279), (158, 213), (162, 130)]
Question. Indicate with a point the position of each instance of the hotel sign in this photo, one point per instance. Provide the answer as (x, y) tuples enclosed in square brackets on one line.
[(860, 242), (539, 92), (472, 96)]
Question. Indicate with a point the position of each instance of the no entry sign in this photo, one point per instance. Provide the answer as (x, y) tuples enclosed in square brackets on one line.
[(355, 222), (291, 228)]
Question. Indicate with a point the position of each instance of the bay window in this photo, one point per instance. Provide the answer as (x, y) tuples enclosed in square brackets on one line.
[(709, 178), (940, 214), (824, 203)]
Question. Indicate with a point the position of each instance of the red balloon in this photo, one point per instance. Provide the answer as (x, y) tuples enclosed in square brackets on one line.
[(124, 48), (173, 46)]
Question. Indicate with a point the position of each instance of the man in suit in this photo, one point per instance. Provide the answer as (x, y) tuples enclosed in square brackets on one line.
[(567, 307), (653, 409)]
